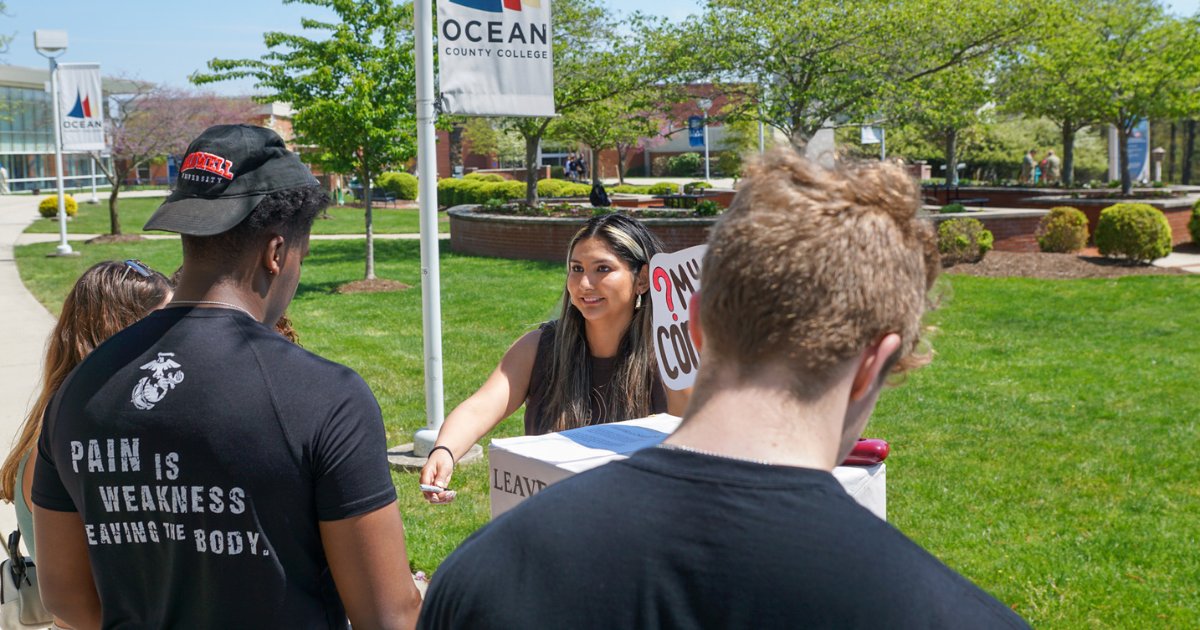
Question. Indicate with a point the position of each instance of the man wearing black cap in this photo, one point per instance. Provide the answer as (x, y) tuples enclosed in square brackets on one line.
[(198, 470)]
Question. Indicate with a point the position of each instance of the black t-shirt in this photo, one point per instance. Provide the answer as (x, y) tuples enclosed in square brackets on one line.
[(201, 449), (671, 539)]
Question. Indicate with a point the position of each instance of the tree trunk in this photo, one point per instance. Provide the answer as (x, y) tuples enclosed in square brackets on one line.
[(1068, 165), (531, 169), (1171, 155), (370, 228), (114, 218), (1123, 149), (456, 148), (952, 157), (595, 165), (1189, 152), (621, 149)]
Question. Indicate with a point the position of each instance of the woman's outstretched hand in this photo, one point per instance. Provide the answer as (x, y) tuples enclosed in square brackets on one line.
[(438, 470)]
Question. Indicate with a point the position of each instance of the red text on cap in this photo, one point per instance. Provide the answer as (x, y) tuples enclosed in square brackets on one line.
[(214, 164)]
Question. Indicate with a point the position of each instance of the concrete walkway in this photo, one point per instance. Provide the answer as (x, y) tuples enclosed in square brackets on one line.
[(24, 326), (1176, 260)]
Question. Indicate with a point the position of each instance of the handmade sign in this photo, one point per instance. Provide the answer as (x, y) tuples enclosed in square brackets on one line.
[(673, 279)]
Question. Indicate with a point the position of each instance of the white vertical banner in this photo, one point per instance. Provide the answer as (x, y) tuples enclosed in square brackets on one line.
[(673, 279), (495, 57), (81, 107)]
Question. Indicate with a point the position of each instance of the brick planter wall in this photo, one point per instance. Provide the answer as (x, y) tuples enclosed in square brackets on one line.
[(1014, 230), (546, 238)]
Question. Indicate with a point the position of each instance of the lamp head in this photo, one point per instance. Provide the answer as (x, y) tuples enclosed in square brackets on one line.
[(50, 43)]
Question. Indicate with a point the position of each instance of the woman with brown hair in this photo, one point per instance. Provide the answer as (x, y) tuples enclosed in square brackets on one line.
[(594, 364), (108, 297)]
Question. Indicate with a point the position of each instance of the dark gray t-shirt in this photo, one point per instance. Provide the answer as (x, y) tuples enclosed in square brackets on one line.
[(671, 539), (201, 449)]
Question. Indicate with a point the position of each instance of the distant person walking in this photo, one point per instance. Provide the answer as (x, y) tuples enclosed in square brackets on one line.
[(569, 167), (1028, 164), (1053, 168), (580, 169)]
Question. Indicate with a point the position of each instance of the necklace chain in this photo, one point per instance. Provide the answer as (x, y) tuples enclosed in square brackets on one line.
[(213, 303), (688, 449)]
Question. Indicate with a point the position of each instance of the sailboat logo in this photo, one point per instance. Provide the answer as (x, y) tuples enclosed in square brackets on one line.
[(83, 107)]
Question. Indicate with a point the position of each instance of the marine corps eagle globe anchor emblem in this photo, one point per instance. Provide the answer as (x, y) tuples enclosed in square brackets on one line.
[(152, 389)]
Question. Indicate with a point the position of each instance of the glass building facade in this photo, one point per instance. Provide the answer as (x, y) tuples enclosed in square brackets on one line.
[(27, 136)]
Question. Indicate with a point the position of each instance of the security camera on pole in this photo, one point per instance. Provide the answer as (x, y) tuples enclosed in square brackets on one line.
[(51, 44), (705, 104)]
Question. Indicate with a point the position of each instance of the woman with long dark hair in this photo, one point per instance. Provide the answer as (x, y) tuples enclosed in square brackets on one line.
[(592, 365), (107, 298)]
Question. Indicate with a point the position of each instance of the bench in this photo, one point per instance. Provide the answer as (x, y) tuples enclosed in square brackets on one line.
[(953, 195), (377, 195)]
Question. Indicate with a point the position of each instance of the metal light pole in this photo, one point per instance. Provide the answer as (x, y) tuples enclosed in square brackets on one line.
[(51, 44), (705, 104), (431, 307), (92, 164)]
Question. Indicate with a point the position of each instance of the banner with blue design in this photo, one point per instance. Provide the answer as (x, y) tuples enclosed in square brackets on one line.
[(696, 131), (495, 57), (81, 107), (1139, 152)]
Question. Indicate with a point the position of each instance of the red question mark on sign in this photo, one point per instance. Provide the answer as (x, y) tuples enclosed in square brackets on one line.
[(661, 274)]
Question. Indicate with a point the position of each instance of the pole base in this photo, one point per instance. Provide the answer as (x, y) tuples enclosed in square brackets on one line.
[(63, 251)]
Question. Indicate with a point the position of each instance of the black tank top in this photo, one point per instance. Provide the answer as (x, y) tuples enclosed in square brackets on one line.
[(602, 375)]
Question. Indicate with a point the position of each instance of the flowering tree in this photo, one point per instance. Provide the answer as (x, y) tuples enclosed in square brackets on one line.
[(154, 122)]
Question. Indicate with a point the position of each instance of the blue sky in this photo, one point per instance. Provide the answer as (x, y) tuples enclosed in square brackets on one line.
[(166, 40)]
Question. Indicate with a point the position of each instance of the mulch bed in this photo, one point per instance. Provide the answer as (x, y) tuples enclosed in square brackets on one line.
[(1088, 264), (378, 285)]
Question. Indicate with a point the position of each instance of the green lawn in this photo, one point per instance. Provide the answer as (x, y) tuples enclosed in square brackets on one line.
[(1037, 454), (94, 219)]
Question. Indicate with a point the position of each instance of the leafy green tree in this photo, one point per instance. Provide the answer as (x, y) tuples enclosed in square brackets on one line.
[(1058, 76), (482, 135), (596, 57), (1151, 66), (948, 103), (618, 122), (353, 90), (830, 60)]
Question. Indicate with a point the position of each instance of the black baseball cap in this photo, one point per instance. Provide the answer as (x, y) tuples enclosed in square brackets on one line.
[(225, 173)]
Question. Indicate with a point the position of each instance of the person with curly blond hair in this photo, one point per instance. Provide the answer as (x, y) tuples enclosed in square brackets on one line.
[(814, 286)]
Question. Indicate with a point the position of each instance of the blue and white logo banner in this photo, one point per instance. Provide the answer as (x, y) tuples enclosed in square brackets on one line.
[(695, 131), (495, 57), (81, 107)]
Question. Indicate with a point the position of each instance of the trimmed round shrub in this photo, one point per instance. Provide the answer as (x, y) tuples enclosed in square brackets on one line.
[(49, 206), (663, 188), (692, 188), (952, 208), (1194, 223), (485, 177), (684, 164), (630, 189), (963, 240), (403, 185), (1135, 231), (707, 208), (1063, 230)]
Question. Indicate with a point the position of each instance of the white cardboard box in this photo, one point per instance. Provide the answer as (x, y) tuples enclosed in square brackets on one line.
[(523, 466)]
